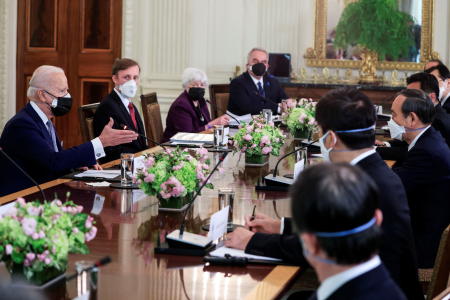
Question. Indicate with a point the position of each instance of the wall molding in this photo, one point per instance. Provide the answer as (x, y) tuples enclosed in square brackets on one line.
[(8, 41)]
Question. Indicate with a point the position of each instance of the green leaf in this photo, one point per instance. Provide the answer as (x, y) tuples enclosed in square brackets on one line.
[(17, 257)]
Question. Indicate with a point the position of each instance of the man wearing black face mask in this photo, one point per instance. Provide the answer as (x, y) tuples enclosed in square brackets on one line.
[(255, 89), (30, 138)]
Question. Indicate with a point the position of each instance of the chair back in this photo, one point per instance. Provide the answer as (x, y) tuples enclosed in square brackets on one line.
[(222, 103), (152, 121), (149, 98), (441, 270), (86, 117), (219, 95)]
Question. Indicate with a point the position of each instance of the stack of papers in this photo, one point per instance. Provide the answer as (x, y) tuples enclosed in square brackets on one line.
[(106, 174), (191, 138), (237, 120), (220, 252)]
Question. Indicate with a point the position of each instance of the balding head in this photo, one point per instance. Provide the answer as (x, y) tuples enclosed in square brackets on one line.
[(45, 78)]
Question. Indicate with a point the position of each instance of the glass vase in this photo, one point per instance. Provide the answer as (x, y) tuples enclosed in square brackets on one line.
[(256, 160)]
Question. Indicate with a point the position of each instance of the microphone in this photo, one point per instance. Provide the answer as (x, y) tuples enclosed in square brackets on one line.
[(103, 261), (125, 127), (273, 181), (23, 172), (179, 238)]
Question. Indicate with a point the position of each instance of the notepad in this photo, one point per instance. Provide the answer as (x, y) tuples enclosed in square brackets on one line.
[(107, 174), (237, 120), (188, 137), (220, 252)]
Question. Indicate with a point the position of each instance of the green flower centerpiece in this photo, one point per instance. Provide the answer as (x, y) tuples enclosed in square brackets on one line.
[(300, 118), (36, 238), (258, 139), (174, 175)]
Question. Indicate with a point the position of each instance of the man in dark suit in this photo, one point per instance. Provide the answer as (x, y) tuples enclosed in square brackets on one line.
[(425, 173), (347, 116), (118, 106), (255, 89), (442, 74), (335, 209), (30, 138)]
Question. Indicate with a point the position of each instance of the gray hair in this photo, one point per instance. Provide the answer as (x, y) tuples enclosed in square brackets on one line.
[(41, 79), (193, 74), (257, 49)]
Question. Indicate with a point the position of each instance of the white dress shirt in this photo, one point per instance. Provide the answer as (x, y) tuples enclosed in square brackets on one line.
[(413, 143), (362, 156), (255, 81), (96, 143), (445, 99), (124, 100), (333, 283)]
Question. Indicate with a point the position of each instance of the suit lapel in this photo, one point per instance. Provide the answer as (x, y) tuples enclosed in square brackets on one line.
[(125, 115), (267, 86), (251, 87), (44, 131)]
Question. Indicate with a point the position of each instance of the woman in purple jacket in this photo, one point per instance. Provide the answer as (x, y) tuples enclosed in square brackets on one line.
[(189, 112)]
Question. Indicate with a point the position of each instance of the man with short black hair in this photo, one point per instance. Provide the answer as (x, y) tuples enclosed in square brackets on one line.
[(118, 106), (255, 89), (335, 208), (425, 173), (347, 119), (442, 74)]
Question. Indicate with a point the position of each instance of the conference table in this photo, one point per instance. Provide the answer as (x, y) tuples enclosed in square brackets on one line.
[(130, 224)]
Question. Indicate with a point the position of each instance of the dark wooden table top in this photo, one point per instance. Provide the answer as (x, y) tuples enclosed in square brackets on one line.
[(129, 225)]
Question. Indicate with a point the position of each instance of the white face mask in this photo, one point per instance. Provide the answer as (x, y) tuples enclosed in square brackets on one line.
[(325, 152), (128, 89), (396, 130)]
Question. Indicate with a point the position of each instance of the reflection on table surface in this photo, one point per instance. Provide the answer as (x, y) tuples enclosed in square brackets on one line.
[(129, 226)]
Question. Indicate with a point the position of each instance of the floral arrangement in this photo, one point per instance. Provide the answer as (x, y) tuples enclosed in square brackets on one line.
[(174, 173), (258, 137), (37, 237), (300, 116)]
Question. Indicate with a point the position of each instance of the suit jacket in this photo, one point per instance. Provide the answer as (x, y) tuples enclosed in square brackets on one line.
[(441, 123), (244, 97), (183, 116), (397, 249), (26, 140), (112, 107), (399, 149), (446, 105), (425, 173), (375, 284)]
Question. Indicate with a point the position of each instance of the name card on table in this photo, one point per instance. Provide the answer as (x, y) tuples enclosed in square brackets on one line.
[(218, 224)]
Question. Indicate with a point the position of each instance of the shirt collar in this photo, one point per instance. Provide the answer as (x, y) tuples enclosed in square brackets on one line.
[(40, 113), (255, 81), (362, 156), (124, 100), (413, 143), (333, 283), (445, 99)]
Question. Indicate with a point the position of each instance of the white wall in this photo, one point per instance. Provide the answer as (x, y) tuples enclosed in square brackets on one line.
[(166, 36), (8, 21)]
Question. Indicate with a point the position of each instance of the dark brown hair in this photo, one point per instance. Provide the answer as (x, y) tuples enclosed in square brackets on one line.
[(123, 64)]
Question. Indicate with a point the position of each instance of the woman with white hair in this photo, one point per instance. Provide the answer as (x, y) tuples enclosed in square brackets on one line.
[(189, 112)]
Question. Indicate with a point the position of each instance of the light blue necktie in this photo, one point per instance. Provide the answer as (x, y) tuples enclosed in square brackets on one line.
[(51, 131)]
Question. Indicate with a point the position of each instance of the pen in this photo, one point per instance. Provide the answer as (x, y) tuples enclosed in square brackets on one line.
[(252, 217)]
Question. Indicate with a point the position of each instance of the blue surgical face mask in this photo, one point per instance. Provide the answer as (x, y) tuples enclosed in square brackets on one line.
[(326, 152)]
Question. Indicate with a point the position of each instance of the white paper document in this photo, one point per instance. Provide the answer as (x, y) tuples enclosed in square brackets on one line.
[(298, 168), (108, 174), (218, 224), (220, 252), (188, 137), (99, 184), (138, 163)]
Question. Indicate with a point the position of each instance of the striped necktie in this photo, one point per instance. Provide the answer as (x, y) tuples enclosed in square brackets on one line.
[(261, 90), (51, 131)]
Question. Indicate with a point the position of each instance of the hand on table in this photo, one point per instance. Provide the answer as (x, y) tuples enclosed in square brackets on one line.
[(239, 238)]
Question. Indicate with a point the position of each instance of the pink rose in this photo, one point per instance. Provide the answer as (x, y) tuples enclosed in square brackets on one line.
[(31, 256), (8, 249), (247, 137), (266, 150), (149, 178)]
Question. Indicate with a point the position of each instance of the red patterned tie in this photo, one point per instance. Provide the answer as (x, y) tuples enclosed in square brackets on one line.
[(132, 114)]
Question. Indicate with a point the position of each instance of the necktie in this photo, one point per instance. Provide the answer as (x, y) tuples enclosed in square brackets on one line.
[(132, 114), (51, 131), (261, 90)]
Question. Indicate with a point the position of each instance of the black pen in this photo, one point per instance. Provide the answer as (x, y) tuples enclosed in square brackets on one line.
[(252, 217)]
